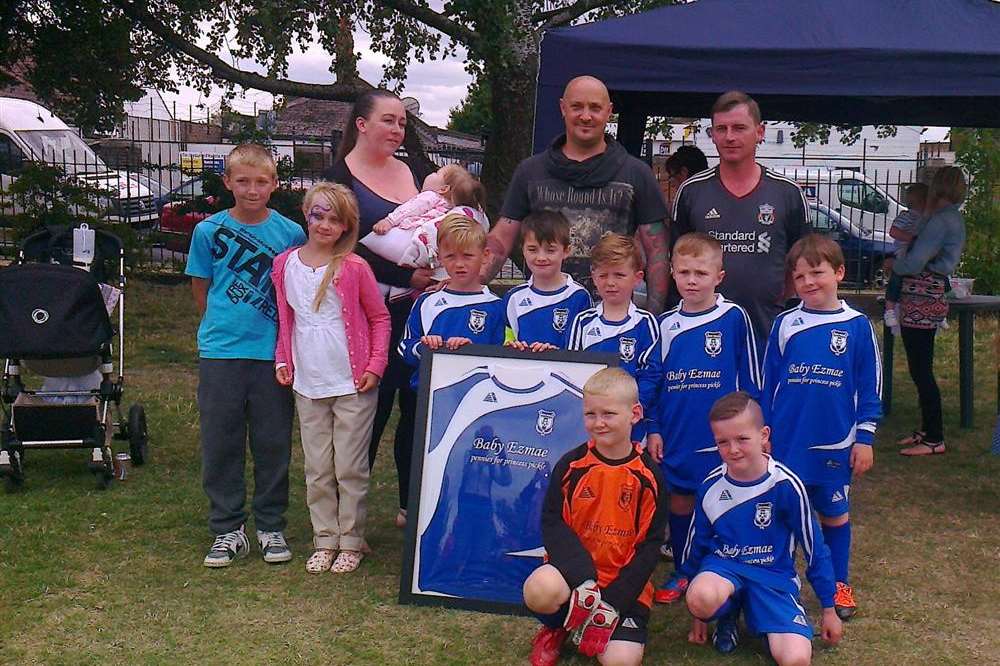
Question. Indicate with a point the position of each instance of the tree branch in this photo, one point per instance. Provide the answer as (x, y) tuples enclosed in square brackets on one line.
[(433, 19), (558, 17), (344, 92)]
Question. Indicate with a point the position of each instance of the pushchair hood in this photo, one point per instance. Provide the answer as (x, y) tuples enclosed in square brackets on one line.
[(50, 311)]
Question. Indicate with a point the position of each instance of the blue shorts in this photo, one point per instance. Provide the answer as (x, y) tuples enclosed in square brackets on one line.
[(767, 610), (686, 476), (830, 500)]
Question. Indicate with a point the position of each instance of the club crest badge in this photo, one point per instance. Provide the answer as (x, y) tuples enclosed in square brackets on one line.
[(625, 496), (765, 214), (762, 516), (560, 317), (713, 343), (477, 321), (838, 341), (626, 349), (545, 422)]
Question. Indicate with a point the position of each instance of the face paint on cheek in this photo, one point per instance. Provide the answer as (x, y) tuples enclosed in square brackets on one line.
[(316, 213)]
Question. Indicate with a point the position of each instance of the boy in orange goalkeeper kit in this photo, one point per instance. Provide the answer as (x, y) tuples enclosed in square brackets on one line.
[(602, 526)]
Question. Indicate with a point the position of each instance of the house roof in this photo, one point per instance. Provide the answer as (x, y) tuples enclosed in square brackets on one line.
[(321, 119)]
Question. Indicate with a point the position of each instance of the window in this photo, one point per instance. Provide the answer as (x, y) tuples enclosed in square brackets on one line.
[(781, 136), (857, 194), (11, 157), (820, 220)]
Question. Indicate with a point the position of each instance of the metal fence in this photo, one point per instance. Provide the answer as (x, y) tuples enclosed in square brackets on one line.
[(158, 188)]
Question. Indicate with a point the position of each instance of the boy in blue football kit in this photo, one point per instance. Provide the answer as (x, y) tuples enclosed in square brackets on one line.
[(541, 311), (615, 325), (230, 268), (706, 350), (751, 513), (464, 312), (822, 395)]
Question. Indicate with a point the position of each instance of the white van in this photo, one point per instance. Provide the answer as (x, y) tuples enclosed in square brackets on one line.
[(30, 132), (852, 194)]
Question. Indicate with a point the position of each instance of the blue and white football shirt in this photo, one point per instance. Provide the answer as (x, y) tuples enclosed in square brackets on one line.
[(475, 315), (822, 390), (703, 356), (487, 464), (752, 529), (633, 339), (544, 316)]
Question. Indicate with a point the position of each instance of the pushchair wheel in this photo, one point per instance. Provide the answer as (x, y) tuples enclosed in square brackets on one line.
[(138, 435)]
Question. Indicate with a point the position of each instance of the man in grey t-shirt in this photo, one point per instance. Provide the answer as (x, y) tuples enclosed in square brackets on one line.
[(590, 178), (755, 214)]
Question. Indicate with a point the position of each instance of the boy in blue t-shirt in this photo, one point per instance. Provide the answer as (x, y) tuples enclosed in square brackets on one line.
[(822, 395), (615, 324), (706, 350), (230, 268), (540, 312), (750, 515)]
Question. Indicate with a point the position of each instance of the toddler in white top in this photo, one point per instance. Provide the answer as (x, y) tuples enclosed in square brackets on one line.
[(408, 235)]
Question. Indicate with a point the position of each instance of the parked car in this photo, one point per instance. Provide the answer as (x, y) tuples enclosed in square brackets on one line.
[(864, 249), (30, 132), (180, 210), (851, 194)]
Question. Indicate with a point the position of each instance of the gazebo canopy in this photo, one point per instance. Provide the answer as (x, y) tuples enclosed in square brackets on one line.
[(914, 62)]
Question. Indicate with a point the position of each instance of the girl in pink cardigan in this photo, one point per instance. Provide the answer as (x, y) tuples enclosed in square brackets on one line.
[(332, 350)]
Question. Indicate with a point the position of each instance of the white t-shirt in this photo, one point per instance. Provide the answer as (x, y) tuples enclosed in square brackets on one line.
[(319, 339)]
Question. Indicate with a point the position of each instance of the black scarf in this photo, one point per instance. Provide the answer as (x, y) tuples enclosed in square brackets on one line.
[(594, 171)]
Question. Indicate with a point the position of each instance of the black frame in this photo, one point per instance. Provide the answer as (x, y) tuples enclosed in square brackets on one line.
[(487, 352)]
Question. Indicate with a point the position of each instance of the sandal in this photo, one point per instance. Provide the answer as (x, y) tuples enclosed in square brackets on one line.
[(320, 561), (347, 561), (915, 437), (923, 448)]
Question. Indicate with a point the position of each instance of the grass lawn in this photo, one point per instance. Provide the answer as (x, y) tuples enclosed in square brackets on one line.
[(90, 577)]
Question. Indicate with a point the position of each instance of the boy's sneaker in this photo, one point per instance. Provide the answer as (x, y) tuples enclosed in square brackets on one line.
[(727, 634), (672, 589), (228, 547), (273, 547), (843, 601), (546, 644)]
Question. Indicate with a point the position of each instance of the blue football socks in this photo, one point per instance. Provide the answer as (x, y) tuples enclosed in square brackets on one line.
[(839, 540)]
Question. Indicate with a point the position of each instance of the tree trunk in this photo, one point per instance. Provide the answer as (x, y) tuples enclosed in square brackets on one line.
[(513, 107)]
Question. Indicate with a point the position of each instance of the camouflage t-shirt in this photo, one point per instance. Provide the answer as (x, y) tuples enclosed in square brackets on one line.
[(629, 198)]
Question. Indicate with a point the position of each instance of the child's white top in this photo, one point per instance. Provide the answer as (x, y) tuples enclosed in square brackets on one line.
[(319, 339)]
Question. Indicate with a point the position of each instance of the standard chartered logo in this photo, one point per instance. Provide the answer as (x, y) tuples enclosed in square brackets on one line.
[(764, 243)]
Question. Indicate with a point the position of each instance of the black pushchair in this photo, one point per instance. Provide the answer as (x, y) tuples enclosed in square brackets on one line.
[(55, 305)]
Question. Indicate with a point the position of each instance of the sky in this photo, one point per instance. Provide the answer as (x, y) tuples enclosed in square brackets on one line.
[(438, 85)]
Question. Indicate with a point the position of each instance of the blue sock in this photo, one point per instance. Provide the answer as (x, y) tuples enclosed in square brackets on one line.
[(728, 606), (678, 535), (839, 540)]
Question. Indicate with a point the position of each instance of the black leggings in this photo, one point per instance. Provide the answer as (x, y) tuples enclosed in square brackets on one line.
[(397, 380), (919, 344)]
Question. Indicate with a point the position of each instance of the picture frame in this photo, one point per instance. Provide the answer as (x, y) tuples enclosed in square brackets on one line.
[(491, 424)]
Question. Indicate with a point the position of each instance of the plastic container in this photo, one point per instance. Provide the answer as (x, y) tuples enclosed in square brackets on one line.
[(961, 287)]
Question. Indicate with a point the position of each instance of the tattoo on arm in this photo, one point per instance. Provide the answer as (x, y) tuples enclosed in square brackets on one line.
[(654, 239), (499, 242)]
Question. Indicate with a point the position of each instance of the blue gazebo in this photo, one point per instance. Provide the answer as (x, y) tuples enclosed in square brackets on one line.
[(918, 62)]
